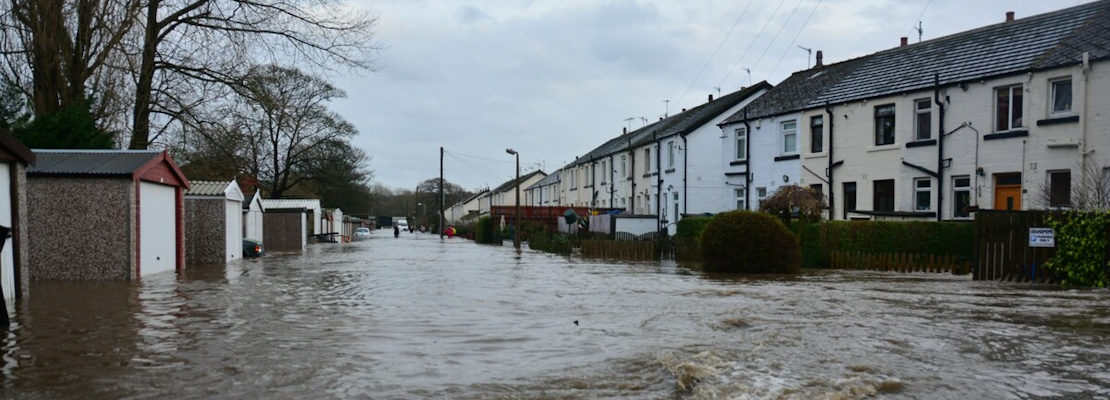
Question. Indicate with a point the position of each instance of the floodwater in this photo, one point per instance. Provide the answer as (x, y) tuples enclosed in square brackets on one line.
[(419, 317)]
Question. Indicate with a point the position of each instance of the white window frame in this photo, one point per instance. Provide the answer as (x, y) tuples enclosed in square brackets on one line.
[(647, 161), (1052, 85), (741, 198), (624, 167), (740, 152), (789, 136), (956, 189), (1010, 118), (819, 135), (605, 172), (670, 154), (920, 186), (917, 111), (761, 193)]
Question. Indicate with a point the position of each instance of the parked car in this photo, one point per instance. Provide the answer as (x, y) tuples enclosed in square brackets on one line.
[(362, 233), (252, 248)]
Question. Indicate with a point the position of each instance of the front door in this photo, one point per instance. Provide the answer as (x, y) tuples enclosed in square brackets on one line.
[(1007, 192)]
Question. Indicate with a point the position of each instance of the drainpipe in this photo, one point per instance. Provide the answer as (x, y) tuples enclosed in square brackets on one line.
[(658, 184), (685, 172), (612, 183), (748, 167), (829, 174), (632, 174), (940, 146)]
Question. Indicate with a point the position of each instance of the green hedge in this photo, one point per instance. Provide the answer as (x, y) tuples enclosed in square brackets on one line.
[(1081, 244), (749, 242), (691, 227), (818, 240), (484, 232)]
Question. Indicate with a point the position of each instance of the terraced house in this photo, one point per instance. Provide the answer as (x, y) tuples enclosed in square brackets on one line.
[(1007, 116)]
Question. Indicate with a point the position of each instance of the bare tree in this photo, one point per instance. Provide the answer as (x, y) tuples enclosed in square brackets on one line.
[(200, 42)]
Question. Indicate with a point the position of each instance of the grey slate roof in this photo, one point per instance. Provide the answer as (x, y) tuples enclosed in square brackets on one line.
[(1042, 41), (512, 182), (207, 188), (90, 162), (795, 93), (686, 122), (550, 179)]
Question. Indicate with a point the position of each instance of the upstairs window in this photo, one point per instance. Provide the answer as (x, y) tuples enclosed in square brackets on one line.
[(741, 151), (789, 137), (884, 125), (647, 161), (923, 128), (605, 171), (1007, 108), (670, 154), (624, 168), (816, 134), (1061, 96)]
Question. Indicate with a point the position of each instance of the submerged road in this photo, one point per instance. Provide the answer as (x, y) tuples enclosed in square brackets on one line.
[(419, 317)]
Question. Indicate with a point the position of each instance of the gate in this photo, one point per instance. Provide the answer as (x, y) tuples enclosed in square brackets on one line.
[(1002, 249)]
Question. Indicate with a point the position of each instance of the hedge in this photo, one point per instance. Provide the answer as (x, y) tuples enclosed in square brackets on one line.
[(818, 240)]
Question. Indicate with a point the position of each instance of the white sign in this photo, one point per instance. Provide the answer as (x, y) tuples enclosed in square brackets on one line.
[(1042, 237)]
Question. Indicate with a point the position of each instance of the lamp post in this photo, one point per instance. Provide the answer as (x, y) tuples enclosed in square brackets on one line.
[(516, 220), (423, 210)]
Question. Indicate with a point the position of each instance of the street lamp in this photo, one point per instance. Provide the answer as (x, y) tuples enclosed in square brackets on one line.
[(423, 210), (516, 235)]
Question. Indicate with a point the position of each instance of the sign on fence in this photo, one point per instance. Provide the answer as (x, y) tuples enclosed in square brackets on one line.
[(1042, 237)]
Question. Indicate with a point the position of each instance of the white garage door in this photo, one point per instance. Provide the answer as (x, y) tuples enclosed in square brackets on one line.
[(7, 259), (157, 229), (234, 234)]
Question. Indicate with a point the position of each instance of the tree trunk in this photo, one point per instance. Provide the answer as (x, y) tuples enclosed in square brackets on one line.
[(140, 132)]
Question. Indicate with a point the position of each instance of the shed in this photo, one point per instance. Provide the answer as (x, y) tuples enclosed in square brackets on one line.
[(14, 158), (213, 222), (106, 214), (252, 217)]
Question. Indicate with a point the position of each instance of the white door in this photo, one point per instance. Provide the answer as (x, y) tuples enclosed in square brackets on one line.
[(158, 228), (7, 259), (234, 232)]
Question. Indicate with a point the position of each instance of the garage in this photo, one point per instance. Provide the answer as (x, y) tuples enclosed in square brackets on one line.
[(118, 213), (213, 222), (14, 157)]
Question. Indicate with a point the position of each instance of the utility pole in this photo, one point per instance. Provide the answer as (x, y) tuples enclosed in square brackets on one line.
[(667, 111), (441, 198), (919, 31), (516, 220), (749, 71)]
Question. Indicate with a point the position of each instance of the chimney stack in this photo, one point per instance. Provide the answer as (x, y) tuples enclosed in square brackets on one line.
[(710, 98), (625, 129), (905, 40), (1009, 16), (683, 110), (820, 59)]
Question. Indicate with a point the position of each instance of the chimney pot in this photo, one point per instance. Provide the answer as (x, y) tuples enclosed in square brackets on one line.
[(683, 110), (905, 40), (625, 130), (820, 58), (710, 97), (1009, 16)]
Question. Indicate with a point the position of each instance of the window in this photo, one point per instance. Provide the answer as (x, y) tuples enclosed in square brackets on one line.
[(922, 194), (789, 137), (647, 161), (605, 171), (1007, 108), (760, 194), (593, 174), (624, 168), (884, 125), (849, 198), (741, 144), (818, 188), (961, 197), (816, 134), (1059, 183), (923, 129), (674, 218), (1061, 96), (670, 154), (883, 196), (572, 181), (740, 198)]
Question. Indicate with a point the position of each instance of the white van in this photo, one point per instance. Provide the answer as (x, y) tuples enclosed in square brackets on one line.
[(404, 225)]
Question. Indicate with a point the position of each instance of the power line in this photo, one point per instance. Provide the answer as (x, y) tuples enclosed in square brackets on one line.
[(781, 28), (918, 27), (745, 53), (707, 62), (811, 12)]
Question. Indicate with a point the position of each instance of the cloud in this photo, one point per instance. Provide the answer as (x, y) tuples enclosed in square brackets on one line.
[(471, 15)]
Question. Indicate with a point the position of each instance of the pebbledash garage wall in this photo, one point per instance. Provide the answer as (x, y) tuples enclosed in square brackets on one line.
[(104, 214), (213, 222)]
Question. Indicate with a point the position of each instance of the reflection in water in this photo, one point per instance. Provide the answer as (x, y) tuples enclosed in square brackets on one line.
[(417, 317)]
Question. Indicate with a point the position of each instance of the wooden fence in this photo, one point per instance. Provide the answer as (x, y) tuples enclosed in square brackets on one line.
[(1002, 249), (619, 249), (899, 262)]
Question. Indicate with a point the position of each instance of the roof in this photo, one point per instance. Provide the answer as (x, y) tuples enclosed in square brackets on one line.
[(281, 204), (795, 93), (692, 119), (1038, 42), (16, 148), (254, 197), (91, 162), (207, 188), (550, 179), (106, 163), (511, 183)]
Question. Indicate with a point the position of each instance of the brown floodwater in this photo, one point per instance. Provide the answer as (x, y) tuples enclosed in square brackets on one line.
[(418, 317)]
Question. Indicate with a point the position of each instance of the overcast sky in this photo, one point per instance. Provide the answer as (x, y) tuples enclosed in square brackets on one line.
[(554, 79)]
